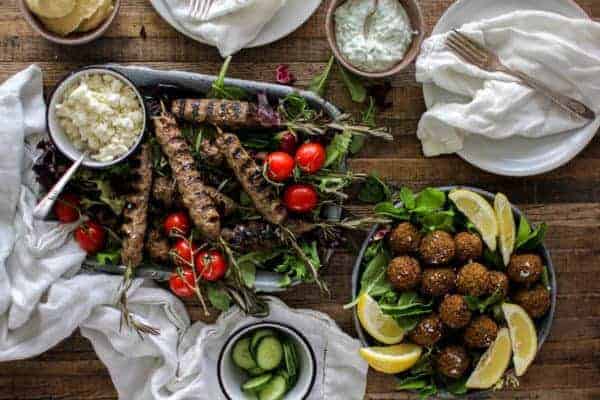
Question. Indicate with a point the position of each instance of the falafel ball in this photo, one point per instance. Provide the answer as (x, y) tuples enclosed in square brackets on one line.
[(473, 279), (525, 268), (438, 282), (535, 301), (498, 283), (481, 332), (453, 361), (454, 311), (468, 246), (405, 239), (428, 331), (437, 248), (404, 273)]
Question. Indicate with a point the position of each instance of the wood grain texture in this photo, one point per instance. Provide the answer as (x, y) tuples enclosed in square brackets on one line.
[(568, 199)]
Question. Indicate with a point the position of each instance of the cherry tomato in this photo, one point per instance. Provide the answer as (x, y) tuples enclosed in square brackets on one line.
[(183, 287), (288, 142), (300, 198), (66, 208), (280, 166), (310, 157), (177, 224), (182, 253), (211, 265), (91, 236)]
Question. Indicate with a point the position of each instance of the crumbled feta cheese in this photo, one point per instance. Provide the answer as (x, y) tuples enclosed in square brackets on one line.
[(101, 114)]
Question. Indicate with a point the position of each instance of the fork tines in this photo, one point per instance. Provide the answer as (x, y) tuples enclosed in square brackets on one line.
[(467, 49), (200, 8)]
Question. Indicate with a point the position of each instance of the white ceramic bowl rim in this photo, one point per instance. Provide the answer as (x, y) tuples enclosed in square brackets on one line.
[(284, 328), (62, 143)]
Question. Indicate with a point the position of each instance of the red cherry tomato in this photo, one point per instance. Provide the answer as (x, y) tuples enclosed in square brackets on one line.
[(91, 236), (182, 253), (310, 157), (183, 287), (280, 166), (177, 224), (66, 208), (300, 198), (211, 265), (288, 142)]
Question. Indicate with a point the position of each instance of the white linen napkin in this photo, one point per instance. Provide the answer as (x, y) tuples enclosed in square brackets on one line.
[(230, 24), (44, 297), (561, 52)]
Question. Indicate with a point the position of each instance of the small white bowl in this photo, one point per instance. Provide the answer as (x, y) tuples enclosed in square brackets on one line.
[(62, 142), (231, 377)]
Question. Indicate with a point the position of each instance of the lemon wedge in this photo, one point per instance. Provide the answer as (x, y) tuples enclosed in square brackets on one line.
[(506, 226), (493, 363), (380, 326), (392, 359), (479, 212), (522, 335)]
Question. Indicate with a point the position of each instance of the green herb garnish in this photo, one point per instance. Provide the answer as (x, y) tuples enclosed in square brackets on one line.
[(319, 82)]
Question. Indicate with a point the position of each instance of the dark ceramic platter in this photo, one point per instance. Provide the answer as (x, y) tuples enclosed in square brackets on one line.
[(542, 325)]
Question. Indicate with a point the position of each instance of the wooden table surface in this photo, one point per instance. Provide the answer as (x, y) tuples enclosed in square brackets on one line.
[(568, 199)]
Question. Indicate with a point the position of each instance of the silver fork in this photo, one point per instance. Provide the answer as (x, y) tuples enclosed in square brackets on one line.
[(476, 54), (200, 8)]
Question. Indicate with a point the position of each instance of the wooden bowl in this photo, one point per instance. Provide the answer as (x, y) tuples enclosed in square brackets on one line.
[(418, 24), (74, 39)]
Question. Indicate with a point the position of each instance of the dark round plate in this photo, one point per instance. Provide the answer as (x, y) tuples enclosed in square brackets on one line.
[(543, 325)]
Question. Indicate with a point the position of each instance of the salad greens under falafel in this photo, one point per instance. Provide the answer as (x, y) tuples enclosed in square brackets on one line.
[(443, 285)]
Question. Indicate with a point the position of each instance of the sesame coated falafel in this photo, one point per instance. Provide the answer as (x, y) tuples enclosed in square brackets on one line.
[(498, 283), (454, 311), (473, 279), (438, 282), (405, 239), (453, 361), (535, 301), (428, 331), (469, 246), (437, 248), (525, 268), (481, 332), (404, 273)]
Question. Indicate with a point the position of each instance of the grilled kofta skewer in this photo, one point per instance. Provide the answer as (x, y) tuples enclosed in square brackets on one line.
[(136, 210), (250, 176), (195, 195), (225, 113)]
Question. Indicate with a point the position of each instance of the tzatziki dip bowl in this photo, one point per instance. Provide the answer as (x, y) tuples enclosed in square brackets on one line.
[(375, 38), (98, 112)]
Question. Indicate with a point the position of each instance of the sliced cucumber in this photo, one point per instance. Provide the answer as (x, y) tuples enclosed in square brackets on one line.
[(290, 358), (259, 334), (274, 390), (256, 371), (250, 396), (257, 383), (269, 353), (241, 355)]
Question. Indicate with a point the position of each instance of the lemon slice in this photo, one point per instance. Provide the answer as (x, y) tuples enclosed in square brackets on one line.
[(479, 212), (493, 363), (506, 226), (382, 327), (392, 359), (51, 8), (523, 336)]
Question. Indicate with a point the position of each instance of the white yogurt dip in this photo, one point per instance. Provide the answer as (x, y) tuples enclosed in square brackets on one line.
[(373, 35)]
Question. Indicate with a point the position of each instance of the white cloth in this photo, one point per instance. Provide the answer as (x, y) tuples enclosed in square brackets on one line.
[(561, 52), (230, 25), (44, 297)]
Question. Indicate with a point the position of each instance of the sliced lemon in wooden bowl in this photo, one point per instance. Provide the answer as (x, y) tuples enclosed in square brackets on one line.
[(392, 359), (380, 326), (477, 209), (523, 336), (507, 231), (493, 363)]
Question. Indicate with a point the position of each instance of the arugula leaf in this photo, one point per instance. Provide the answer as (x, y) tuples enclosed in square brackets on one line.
[(219, 90), (368, 116), (373, 280), (374, 190), (295, 268), (438, 220), (296, 107), (528, 239), (412, 383), (481, 305), (388, 209), (429, 200), (319, 82), (338, 149), (357, 91), (546, 278), (109, 257), (407, 198), (218, 298), (458, 387)]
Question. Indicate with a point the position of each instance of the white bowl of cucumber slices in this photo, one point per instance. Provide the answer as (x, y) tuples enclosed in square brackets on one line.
[(267, 361)]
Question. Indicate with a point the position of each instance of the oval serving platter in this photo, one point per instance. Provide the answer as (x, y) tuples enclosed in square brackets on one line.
[(266, 281)]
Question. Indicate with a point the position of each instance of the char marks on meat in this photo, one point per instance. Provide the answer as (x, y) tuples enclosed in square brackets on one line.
[(136, 209), (250, 176), (164, 190), (225, 113), (210, 153), (195, 195), (157, 246)]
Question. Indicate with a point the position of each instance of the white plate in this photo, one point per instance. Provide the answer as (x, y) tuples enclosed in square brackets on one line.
[(516, 156), (286, 21)]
